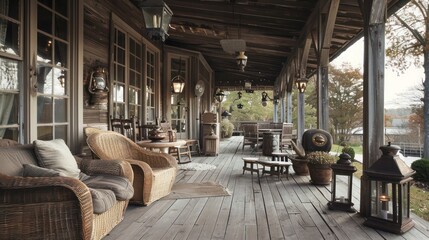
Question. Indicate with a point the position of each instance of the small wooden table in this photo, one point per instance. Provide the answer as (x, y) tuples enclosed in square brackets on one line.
[(161, 145)]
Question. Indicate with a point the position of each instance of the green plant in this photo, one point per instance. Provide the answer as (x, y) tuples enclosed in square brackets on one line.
[(227, 127), (422, 170), (319, 157), (350, 151)]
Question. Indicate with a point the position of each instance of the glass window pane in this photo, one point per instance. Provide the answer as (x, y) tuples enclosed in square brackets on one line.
[(44, 109), (60, 110), (61, 6), (44, 79), (44, 20), (9, 37), (44, 48), (47, 3), (121, 74), (61, 27), (118, 93), (60, 81), (61, 132), (44, 133), (10, 8), (9, 133), (9, 108), (121, 56), (121, 39), (9, 74), (61, 55)]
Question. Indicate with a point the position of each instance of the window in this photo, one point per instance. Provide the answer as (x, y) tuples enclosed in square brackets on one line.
[(150, 87), (134, 74), (53, 41), (11, 42)]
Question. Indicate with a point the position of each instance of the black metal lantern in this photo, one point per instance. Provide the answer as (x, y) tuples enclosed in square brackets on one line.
[(157, 17), (389, 178), (342, 174), (301, 84), (220, 96)]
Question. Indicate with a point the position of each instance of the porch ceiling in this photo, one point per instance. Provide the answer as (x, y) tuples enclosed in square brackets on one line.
[(272, 29)]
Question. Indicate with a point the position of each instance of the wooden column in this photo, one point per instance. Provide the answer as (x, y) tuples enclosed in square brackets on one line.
[(301, 120), (373, 98), (289, 107), (326, 24), (323, 97)]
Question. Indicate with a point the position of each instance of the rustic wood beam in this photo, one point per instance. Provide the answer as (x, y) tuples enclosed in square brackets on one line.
[(373, 97)]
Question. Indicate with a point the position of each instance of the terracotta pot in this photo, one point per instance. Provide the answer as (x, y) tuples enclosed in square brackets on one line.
[(299, 166), (320, 174)]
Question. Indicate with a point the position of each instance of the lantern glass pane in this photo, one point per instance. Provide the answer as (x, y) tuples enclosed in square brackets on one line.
[(404, 199), (342, 188), (381, 200), (152, 16), (166, 18)]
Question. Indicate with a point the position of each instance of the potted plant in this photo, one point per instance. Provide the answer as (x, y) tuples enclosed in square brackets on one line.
[(299, 161), (319, 166), (226, 127)]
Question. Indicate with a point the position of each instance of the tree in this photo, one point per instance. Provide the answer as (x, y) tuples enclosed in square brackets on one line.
[(345, 101), (407, 35), (252, 108)]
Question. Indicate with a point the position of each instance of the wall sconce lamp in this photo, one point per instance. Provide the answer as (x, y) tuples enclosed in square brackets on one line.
[(301, 84), (157, 17), (220, 96), (178, 82), (241, 61)]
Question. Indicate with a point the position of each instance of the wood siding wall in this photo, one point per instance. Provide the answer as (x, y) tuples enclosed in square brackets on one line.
[(97, 14)]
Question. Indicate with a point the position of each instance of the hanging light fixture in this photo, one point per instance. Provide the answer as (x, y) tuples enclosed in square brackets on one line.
[(157, 17), (265, 98), (220, 96), (241, 61), (178, 82), (301, 84)]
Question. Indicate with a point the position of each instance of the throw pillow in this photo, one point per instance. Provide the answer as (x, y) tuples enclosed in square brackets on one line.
[(56, 155), (31, 170)]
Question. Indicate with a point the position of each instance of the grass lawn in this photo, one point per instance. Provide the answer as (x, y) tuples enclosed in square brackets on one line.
[(337, 148), (419, 197)]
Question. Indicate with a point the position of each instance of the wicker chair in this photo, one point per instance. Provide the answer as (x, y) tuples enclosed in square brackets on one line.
[(154, 173), (53, 207)]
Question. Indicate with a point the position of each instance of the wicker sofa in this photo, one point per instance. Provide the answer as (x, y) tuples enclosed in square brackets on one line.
[(53, 207), (154, 173)]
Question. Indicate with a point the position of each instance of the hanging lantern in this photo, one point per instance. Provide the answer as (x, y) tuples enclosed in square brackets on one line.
[(342, 172), (389, 197), (220, 96), (157, 17), (241, 61), (301, 84)]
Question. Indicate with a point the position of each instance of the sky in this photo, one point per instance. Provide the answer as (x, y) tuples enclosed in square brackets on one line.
[(399, 89)]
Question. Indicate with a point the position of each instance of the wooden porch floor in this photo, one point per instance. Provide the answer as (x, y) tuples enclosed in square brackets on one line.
[(273, 209)]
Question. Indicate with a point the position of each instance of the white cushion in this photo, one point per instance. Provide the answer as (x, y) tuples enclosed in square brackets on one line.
[(56, 155)]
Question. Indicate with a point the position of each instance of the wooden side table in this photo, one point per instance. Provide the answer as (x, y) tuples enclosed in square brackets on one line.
[(277, 168), (253, 162)]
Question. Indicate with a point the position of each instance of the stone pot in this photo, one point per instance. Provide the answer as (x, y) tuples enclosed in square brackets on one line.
[(156, 134), (320, 174), (299, 166)]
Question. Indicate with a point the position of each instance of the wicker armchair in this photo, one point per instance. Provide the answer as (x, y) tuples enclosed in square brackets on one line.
[(53, 207), (154, 173)]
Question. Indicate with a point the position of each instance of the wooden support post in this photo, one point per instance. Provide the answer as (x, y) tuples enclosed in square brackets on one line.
[(301, 120), (289, 107), (373, 98)]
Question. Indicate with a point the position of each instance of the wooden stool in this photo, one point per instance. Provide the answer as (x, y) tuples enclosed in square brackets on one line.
[(280, 156), (276, 168), (252, 162)]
